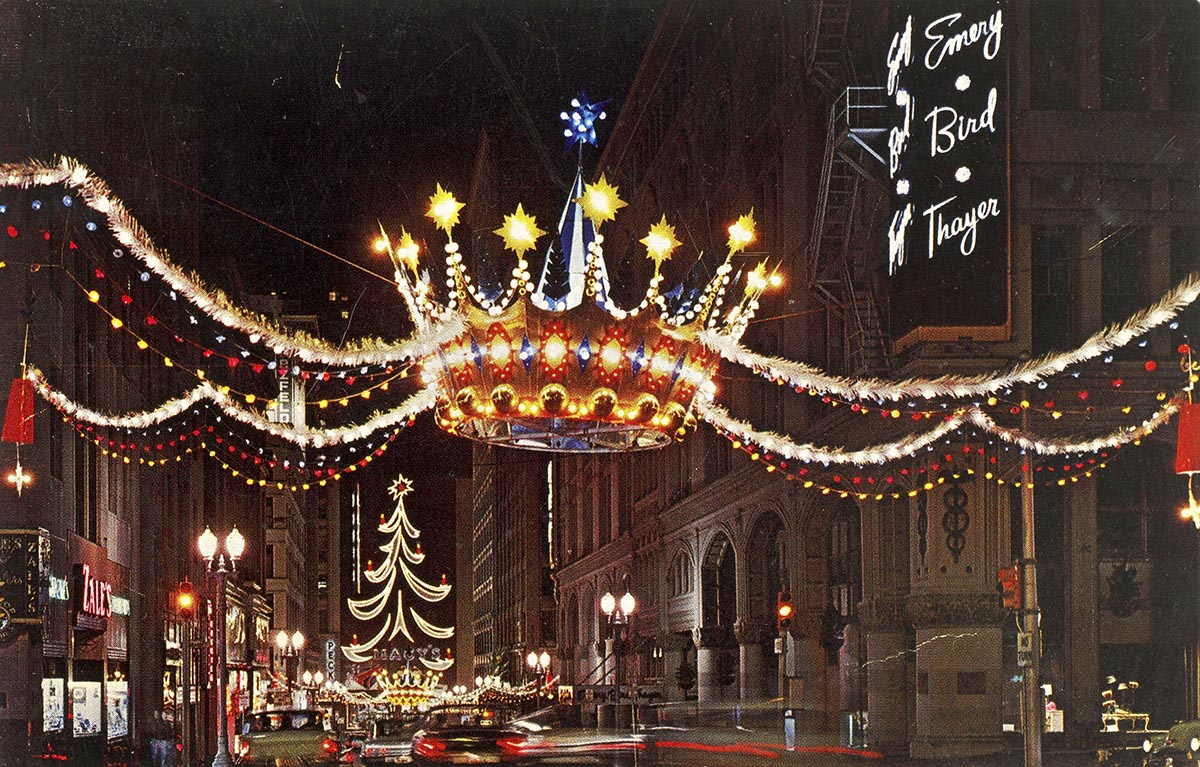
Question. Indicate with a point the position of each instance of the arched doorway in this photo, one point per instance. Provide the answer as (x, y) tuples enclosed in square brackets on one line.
[(766, 559), (716, 654)]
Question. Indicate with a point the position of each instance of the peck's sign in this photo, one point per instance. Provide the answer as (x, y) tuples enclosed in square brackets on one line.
[(947, 160)]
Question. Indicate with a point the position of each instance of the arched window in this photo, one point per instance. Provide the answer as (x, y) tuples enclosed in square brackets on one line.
[(681, 574)]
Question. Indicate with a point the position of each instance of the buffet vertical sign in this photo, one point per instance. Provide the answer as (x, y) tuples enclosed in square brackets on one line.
[(948, 254)]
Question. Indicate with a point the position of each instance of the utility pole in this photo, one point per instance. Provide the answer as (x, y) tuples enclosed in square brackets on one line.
[(1034, 709), (189, 722)]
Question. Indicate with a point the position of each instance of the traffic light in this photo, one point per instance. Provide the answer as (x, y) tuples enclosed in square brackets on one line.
[(185, 601), (1010, 587), (784, 610)]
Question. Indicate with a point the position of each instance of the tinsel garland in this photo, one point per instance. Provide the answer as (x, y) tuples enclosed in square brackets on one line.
[(800, 375), (402, 413), (213, 302), (907, 446)]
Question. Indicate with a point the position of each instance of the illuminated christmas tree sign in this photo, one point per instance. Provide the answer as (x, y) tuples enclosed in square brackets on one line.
[(947, 157), (394, 577)]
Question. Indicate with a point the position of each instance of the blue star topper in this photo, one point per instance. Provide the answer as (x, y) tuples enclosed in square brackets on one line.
[(580, 123)]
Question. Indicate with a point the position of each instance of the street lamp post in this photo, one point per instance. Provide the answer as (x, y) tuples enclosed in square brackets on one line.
[(620, 614), (215, 565), (539, 664), (290, 646)]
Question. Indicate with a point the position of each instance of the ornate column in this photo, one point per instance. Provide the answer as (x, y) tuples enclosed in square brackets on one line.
[(749, 636), (709, 641), (956, 612), (882, 622)]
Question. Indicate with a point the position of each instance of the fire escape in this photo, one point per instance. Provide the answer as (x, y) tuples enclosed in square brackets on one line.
[(852, 180)]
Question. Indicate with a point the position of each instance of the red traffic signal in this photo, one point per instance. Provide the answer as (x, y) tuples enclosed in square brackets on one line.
[(1010, 587), (185, 601), (784, 610)]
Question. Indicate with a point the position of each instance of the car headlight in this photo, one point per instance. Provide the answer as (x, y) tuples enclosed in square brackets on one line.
[(1146, 745)]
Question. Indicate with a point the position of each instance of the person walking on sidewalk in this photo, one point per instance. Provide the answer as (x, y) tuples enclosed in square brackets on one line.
[(162, 750)]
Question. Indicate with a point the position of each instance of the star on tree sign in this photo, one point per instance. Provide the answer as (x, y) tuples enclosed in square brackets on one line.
[(400, 556), (580, 123)]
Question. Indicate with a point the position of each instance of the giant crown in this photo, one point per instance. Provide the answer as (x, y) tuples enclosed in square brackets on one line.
[(556, 364)]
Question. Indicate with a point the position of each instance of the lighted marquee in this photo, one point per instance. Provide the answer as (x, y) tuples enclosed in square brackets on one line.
[(947, 156)]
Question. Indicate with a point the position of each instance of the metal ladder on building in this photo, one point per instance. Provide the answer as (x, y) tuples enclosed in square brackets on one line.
[(826, 60)]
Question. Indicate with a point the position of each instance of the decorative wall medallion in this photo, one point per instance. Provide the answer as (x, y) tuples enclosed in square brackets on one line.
[(1124, 590), (955, 520)]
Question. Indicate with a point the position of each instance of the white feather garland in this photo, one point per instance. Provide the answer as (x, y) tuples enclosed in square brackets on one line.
[(798, 374), (390, 419), (785, 447), (215, 303)]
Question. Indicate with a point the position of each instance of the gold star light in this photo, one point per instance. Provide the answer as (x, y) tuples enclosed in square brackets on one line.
[(741, 232), (600, 201), (443, 209), (660, 242), (407, 250), (520, 231)]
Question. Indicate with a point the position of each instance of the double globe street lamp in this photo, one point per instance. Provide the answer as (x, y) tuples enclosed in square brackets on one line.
[(619, 614), (290, 645), (215, 565), (539, 666)]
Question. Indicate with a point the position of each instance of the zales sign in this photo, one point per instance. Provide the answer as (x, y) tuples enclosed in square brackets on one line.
[(93, 599), (947, 160)]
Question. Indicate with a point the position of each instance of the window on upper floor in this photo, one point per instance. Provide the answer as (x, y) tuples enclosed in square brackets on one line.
[(1183, 54), (1127, 31), (1054, 55), (1185, 252), (681, 575), (1052, 254), (1123, 252)]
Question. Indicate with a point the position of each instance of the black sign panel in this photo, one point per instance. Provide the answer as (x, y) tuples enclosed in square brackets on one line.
[(24, 574), (947, 160)]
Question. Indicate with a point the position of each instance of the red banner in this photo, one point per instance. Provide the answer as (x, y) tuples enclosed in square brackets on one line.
[(18, 417), (1187, 452)]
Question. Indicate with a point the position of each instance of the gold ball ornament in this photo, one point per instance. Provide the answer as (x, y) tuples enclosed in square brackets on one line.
[(553, 397), (504, 397), (674, 416), (603, 402), (645, 408), (466, 398)]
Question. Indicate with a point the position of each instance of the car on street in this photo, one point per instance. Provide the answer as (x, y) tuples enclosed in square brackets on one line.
[(388, 741), (286, 738), (465, 734), (1180, 747)]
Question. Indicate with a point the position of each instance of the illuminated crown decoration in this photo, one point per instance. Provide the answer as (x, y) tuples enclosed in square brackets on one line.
[(556, 364)]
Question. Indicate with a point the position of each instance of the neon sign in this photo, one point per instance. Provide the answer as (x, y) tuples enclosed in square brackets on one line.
[(95, 595)]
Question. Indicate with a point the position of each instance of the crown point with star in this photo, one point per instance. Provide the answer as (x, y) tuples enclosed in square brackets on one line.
[(600, 202), (443, 209), (741, 232), (660, 242), (520, 231)]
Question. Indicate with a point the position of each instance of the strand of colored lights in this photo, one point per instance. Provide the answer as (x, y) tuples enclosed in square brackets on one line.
[(909, 445), (405, 411), (798, 374), (214, 303)]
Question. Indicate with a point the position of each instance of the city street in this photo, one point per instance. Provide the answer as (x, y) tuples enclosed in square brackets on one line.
[(655, 382)]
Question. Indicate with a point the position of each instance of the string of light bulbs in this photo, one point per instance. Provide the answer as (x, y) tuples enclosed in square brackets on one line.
[(416, 404), (802, 376), (909, 445), (214, 303)]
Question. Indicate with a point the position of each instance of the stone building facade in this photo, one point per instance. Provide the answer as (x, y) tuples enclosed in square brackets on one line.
[(900, 639)]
